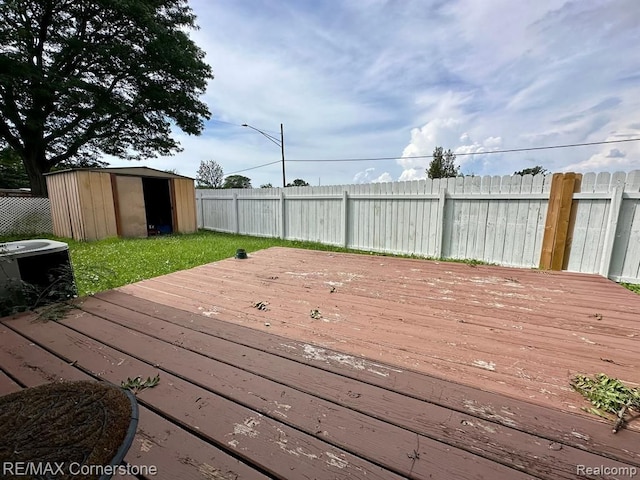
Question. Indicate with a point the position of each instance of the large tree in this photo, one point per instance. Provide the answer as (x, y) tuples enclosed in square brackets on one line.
[(12, 174), (443, 164), (531, 171), (80, 78), (237, 181), (298, 182), (209, 174)]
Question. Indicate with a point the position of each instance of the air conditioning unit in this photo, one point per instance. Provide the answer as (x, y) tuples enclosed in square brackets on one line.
[(34, 273)]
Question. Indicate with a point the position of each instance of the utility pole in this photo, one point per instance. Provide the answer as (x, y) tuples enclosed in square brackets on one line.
[(273, 139)]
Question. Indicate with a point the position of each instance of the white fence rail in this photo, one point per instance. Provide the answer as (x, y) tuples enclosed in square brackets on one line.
[(25, 215), (494, 219)]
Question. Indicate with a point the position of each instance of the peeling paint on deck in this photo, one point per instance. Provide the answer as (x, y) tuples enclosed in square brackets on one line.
[(315, 353), (145, 445), (247, 427), (283, 444), (581, 436), (484, 365), (280, 406), (487, 412), (336, 461), (212, 473)]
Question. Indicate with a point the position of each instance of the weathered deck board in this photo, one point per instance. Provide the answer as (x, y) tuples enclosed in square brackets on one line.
[(376, 440), (487, 305), (416, 369), (433, 419), (179, 454), (436, 321), (258, 439), (175, 452), (448, 320), (7, 385)]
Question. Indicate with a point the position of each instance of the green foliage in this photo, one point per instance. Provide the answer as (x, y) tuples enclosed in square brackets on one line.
[(633, 287), (209, 175), (443, 164), (12, 173), (19, 296), (237, 181), (266, 185), (137, 384), (79, 163), (110, 263), (532, 171), (607, 395), (298, 182), (80, 79)]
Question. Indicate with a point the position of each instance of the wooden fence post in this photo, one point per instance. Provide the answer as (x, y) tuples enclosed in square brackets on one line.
[(577, 188), (557, 229)]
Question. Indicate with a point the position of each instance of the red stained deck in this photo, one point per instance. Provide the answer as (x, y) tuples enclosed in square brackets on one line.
[(414, 369)]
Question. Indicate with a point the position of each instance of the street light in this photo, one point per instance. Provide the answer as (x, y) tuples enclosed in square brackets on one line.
[(280, 143)]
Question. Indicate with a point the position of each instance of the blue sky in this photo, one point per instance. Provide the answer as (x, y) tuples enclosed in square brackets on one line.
[(375, 78)]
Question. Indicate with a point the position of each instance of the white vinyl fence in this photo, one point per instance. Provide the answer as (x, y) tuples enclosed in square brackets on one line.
[(25, 215), (494, 219), (606, 233)]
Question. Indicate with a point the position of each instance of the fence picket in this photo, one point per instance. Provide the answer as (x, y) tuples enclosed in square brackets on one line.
[(625, 223), (505, 224)]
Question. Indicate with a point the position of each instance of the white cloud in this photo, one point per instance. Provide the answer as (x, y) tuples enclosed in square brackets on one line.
[(603, 162), (374, 78), (368, 176), (492, 142), (412, 174), (385, 177), (625, 157)]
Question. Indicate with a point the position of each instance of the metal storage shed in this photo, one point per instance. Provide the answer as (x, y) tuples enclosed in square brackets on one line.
[(90, 204)]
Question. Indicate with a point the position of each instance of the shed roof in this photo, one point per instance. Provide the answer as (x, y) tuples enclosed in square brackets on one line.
[(130, 171)]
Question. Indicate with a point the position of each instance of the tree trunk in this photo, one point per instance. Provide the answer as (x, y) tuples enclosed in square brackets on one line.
[(35, 165)]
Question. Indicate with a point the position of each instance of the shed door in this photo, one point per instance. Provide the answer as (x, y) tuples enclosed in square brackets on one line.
[(132, 217), (184, 203)]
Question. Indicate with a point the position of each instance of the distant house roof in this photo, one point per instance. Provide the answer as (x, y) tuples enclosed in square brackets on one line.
[(130, 171)]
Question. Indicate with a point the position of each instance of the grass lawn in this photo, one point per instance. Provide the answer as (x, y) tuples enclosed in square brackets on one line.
[(111, 263)]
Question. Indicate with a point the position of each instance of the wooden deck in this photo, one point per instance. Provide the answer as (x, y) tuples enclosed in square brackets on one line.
[(412, 369)]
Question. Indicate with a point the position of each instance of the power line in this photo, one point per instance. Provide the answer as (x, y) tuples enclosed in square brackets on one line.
[(512, 150), (252, 168), (227, 123)]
